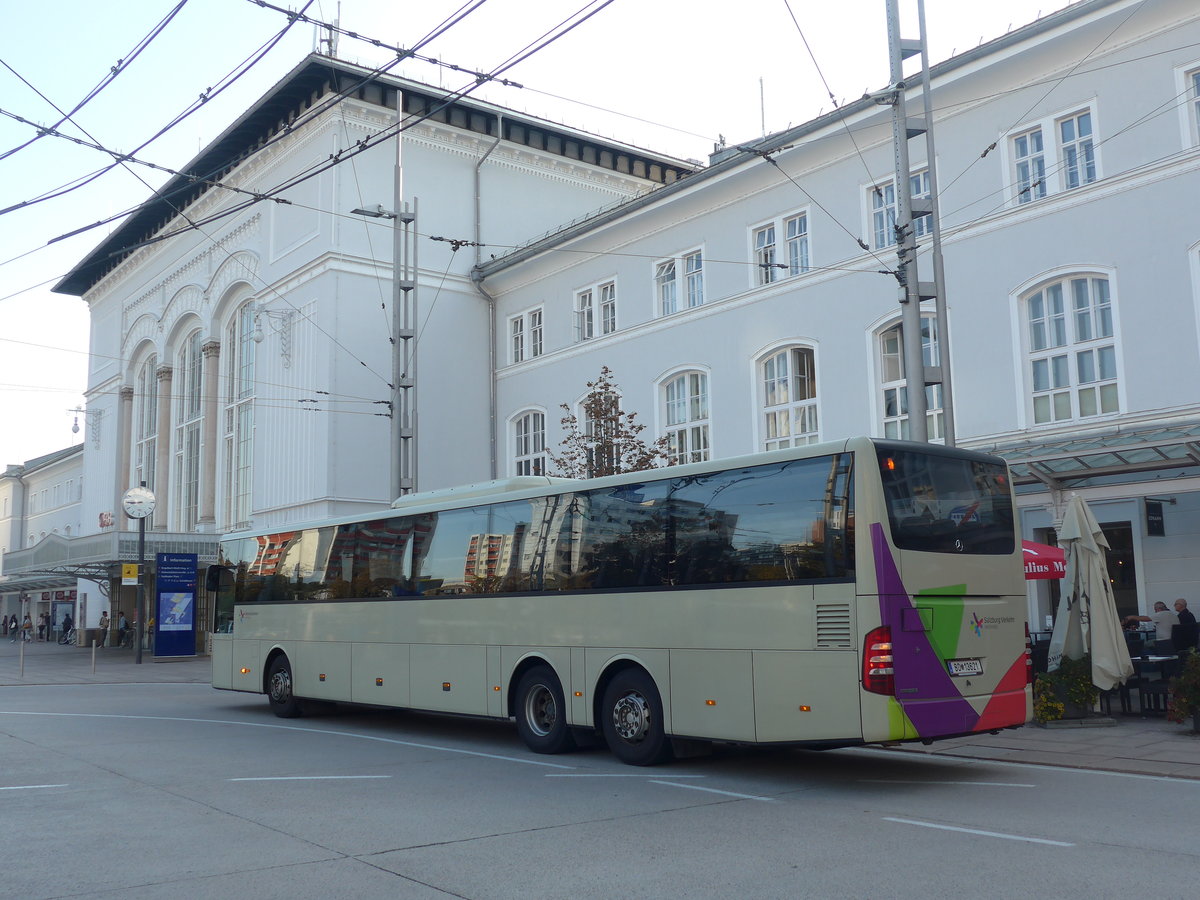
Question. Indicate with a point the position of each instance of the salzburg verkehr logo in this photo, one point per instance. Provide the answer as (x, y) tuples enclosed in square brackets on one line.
[(977, 624)]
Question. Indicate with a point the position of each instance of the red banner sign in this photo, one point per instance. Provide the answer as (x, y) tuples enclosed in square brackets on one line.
[(1043, 561)]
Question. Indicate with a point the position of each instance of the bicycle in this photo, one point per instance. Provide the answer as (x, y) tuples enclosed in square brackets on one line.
[(69, 638)]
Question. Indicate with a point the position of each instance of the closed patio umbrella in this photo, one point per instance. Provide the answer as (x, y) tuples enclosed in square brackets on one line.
[(1087, 619)]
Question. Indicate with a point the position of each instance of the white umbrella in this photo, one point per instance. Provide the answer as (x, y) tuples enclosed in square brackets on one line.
[(1087, 613)]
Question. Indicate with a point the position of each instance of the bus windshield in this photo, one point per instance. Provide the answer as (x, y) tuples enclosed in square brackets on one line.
[(947, 504)]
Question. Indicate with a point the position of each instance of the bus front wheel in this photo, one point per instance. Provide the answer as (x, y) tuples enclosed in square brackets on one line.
[(631, 719), (279, 690), (541, 712)]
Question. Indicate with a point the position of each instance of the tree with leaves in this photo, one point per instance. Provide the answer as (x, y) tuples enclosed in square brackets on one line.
[(608, 440)]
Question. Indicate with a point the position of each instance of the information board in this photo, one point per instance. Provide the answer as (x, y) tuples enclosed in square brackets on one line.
[(174, 610)]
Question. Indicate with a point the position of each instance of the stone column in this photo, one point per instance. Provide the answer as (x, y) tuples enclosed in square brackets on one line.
[(211, 392), (162, 461), (124, 446)]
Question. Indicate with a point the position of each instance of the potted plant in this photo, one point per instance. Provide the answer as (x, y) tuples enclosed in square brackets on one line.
[(1065, 693), (1185, 692)]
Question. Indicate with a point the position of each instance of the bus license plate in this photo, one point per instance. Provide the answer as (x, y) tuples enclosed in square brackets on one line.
[(965, 666)]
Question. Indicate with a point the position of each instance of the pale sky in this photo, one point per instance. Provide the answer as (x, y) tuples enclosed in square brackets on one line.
[(729, 70)]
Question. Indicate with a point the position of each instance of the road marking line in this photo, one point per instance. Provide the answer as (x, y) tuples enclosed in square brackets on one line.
[(972, 783), (310, 778), (696, 787), (349, 734), (995, 834), (30, 787), (610, 775)]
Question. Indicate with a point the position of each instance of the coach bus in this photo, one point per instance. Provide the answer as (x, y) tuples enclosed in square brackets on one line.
[(863, 591)]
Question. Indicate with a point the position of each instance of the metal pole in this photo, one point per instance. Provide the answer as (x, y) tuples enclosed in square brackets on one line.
[(141, 585), (939, 271), (910, 296), (397, 468)]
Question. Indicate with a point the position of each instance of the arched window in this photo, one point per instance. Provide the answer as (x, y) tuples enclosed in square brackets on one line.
[(685, 401), (239, 417), (894, 387), (187, 433), (529, 444), (788, 398), (146, 422), (1071, 349)]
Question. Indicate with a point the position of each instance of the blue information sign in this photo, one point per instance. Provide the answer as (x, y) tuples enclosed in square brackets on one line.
[(175, 604)]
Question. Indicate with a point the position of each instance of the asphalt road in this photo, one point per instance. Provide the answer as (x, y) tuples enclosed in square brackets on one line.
[(169, 790)]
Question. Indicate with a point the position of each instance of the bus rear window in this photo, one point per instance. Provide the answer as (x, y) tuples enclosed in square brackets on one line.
[(942, 502)]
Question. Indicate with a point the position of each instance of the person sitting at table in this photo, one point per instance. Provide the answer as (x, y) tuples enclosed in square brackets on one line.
[(1164, 620), (1187, 633)]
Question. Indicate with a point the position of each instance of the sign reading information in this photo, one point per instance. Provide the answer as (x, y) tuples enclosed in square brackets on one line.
[(175, 604)]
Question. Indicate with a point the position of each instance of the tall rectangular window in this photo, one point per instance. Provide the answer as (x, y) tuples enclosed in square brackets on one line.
[(764, 253), (525, 336), (608, 308), (585, 317), (789, 398), (535, 332), (883, 209), (796, 229), (1194, 87), (516, 332), (1030, 159), (686, 401), (1072, 350), (666, 287), (894, 383), (187, 434), (529, 444), (1078, 157), (146, 427), (693, 273), (239, 418)]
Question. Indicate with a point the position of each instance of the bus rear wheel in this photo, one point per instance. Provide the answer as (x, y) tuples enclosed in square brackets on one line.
[(631, 719), (279, 690), (542, 713)]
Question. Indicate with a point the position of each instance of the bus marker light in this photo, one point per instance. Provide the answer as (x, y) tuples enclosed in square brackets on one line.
[(445, 685), (495, 687), (378, 682), (321, 677), (806, 709), (245, 671), (710, 702), (579, 693)]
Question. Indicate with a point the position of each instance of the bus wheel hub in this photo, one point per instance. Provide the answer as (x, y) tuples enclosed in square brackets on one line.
[(631, 717)]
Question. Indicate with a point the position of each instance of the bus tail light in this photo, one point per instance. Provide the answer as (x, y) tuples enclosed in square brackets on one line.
[(1028, 656), (878, 674)]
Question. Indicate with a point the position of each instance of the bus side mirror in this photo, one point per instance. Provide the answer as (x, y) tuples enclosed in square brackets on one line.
[(218, 578)]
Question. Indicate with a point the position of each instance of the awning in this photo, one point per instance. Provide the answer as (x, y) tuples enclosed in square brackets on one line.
[(1043, 561)]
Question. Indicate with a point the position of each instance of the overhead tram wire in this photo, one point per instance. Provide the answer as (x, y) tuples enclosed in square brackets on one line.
[(226, 82), (829, 91), (113, 73), (301, 120), (1053, 87), (360, 146)]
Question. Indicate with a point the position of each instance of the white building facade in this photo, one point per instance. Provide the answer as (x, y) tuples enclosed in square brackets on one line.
[(242, 368), (744, 313), (241, 320)]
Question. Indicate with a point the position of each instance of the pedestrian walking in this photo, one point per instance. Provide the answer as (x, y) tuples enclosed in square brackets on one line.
[(103, 628), (27, 628), (42, 627), (12, 629)]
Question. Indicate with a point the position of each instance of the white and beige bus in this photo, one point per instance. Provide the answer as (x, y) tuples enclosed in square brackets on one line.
[(838, 594)]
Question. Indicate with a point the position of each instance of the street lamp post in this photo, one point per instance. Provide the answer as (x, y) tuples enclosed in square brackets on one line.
[(139, 503)]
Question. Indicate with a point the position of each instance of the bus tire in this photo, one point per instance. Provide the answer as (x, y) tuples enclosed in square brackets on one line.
[(542, 713), (279, 690), (631, 719)]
